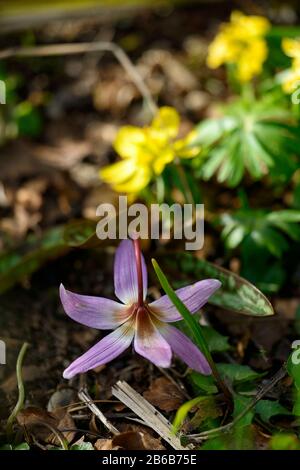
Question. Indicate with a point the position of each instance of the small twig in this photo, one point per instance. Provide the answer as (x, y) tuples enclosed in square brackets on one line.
[(79, 48), (21, 397), (149, 415), (58, 433), (85, 397), (228, 427)]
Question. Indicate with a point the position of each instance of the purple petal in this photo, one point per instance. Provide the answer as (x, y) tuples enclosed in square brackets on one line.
[(125, 273), (103, 352), (185, 349), (149, 343), (96, 312), (193, 296)]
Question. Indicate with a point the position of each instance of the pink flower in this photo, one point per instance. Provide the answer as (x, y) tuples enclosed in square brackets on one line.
[(135, 320)]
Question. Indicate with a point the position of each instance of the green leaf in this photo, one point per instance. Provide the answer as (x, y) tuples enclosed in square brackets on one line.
[(261, 268), (23, 446), (237, 373), (211, 130), (203, 383), (30, 256), (28, 119), (81, 233), (285, 441), (240, 403), (25, 259), (190, 321), (288, 215), (236, 294), (216, 342), (258, 135), (266, 409), (82, 446), (271, 239), (293, 368), (183, 411)]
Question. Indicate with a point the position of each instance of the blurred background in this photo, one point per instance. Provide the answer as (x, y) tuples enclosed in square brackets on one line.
[(57, 127)]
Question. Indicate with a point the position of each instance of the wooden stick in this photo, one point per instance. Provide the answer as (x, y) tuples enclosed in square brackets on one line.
[(148, 414), (85, 397)]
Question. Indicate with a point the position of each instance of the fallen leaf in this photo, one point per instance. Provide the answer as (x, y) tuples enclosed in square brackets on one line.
[(130, 440), (40, 423), (103, 444), (164, 394)]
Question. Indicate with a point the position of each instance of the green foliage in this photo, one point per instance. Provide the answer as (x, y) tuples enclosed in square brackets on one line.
[(27, 258), (215, 341), (266, 409), (257, 136), (202, 383), (82, 446), (265, 229), (293, 368), (19, 117), (183, 411), (260, 267), (236, 294), (237, 373), (23, 446), (284, 441)]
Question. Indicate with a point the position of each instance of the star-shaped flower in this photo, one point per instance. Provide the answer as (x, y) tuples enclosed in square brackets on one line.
[(135, 320)]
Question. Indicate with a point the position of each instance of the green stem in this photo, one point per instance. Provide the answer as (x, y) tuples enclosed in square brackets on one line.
[(20, 403), (194, 327), (187, 193)]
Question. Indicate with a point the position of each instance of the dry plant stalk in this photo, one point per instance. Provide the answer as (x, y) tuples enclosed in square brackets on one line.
[(148, 414)]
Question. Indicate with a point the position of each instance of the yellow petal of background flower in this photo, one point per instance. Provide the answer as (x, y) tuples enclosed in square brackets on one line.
[(249, 26), (118, 172), (291, 80), (187, 147), (291, 47), (166, 121), (236, 43), (251, 61), (165, 157), (129, 140), (138, 181)]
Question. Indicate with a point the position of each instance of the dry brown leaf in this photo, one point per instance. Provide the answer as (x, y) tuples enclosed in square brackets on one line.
[(130, 440), (37, 422), (66, 153), (40, 423), (164, 395), (103, 444), (64, 421), (133, 440)]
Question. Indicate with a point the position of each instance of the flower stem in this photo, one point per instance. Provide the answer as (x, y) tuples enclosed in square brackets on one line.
[(138, 259), (194, 327), (21, 397)]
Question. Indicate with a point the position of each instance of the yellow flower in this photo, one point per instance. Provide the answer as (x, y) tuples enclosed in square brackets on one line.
[(291, 77), (240, 42), (146, 151)]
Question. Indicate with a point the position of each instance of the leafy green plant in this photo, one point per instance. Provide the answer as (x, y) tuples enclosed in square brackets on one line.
[(236, 294), (18, 117), (265, 229), (255, 135)]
